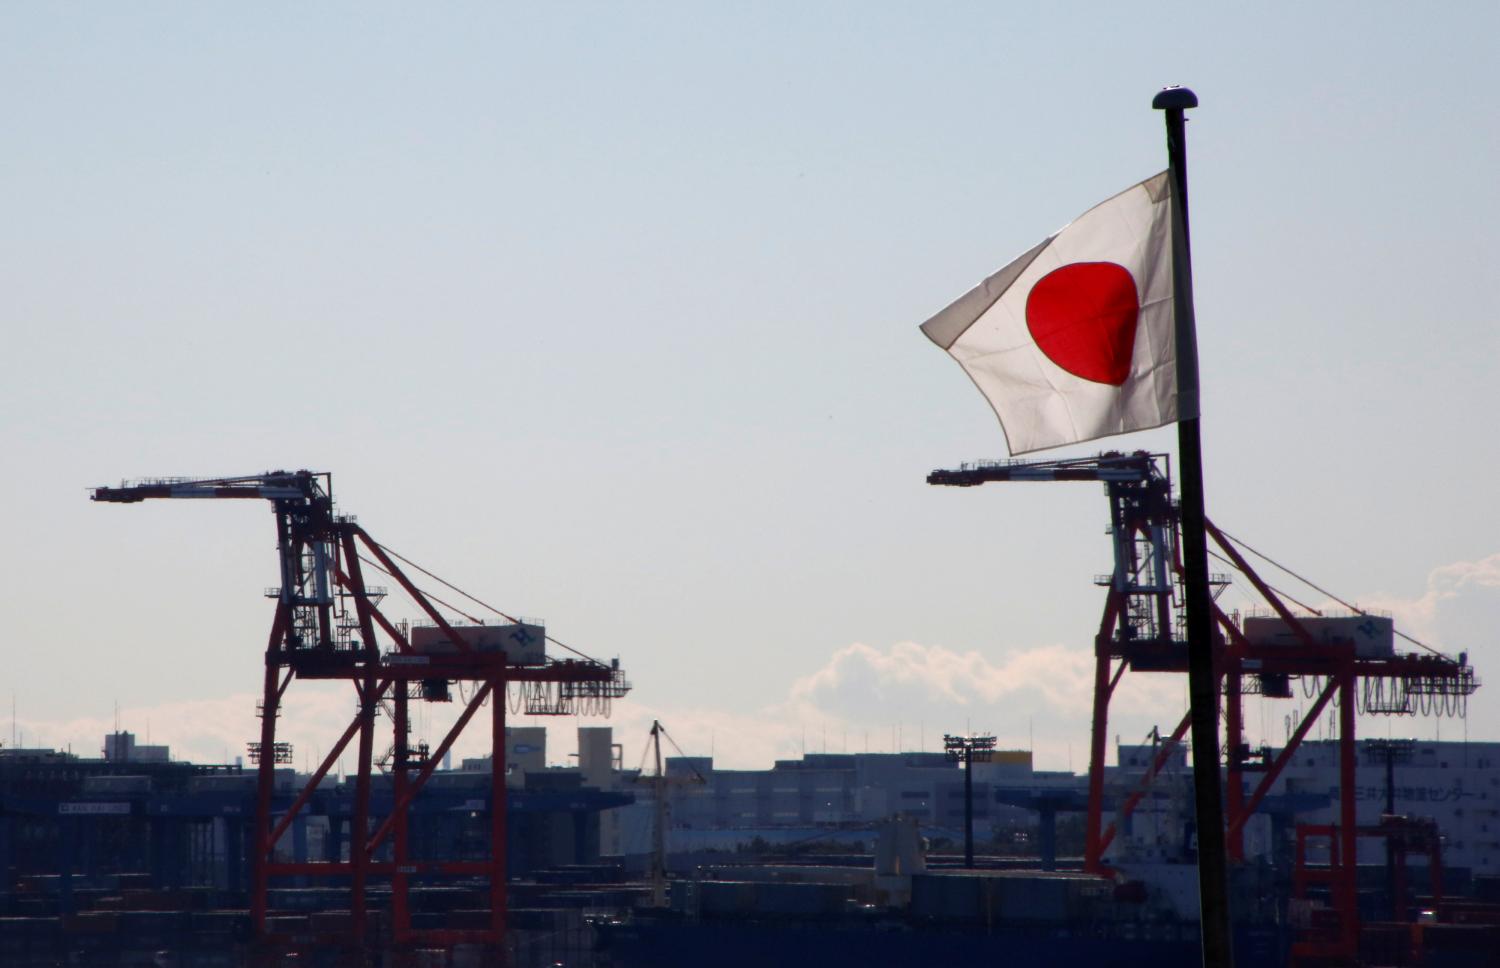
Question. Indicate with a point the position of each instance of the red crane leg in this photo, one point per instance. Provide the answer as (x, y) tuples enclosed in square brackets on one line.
[(1348, 887), (359, 854), (1093, 850), (1098, 744), (498, 809), (1234, 728), (400, 908), (266, 778)]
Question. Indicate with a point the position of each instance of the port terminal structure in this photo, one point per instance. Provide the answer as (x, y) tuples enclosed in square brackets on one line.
[(1348, 661), (324, 628)]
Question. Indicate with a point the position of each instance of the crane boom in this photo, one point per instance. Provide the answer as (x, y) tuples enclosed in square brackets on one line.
[(271, 486), (1111, 467)]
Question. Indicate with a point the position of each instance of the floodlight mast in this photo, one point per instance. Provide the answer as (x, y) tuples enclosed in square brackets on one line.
[(968, 750), (1389, 752)]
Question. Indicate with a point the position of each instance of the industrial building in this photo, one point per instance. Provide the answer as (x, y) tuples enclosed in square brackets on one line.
[(63, 814), (1455, 784), (74, 818)]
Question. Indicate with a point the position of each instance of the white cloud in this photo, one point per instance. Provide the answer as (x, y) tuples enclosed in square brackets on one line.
[(905, 695), (1041, 696), (859, 679), (1457, 611)]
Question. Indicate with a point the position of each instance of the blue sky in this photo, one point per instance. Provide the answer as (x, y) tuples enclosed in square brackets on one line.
[(609, 313)]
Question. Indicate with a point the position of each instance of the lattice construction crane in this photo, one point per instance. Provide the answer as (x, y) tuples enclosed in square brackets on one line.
[(327, 626), (661, 786), (1142, 630)]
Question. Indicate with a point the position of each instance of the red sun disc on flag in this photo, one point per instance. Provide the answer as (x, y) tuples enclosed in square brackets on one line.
[(1083, 317)]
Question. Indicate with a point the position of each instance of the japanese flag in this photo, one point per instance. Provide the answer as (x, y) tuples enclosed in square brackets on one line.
[(1074, 340)]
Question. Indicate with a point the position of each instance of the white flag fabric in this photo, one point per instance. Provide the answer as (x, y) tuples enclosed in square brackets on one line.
[(1075, 339)]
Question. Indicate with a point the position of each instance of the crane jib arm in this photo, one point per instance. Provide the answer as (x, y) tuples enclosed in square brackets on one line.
[(130, 495), (269, 486), (1124, 468)]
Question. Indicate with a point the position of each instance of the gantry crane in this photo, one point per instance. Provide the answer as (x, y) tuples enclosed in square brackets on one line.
[(1142, 630), (327, 626)]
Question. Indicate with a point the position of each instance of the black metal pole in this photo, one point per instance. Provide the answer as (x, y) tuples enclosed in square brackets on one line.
[(969, 807), (1203, 684)]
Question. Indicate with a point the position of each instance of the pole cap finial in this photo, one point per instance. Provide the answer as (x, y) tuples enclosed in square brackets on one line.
[(1174, 98)]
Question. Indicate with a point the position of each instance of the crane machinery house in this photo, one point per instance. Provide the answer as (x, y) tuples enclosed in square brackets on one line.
[(523, 643), (1373, 636)]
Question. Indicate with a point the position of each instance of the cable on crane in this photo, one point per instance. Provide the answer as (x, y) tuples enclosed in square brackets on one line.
[(1231, 564), (641, 767), (509, 618), (424, 592), (1323, 591), (689, 764)]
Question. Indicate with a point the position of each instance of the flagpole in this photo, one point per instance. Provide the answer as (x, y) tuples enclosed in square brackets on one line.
[(1203, 684)]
